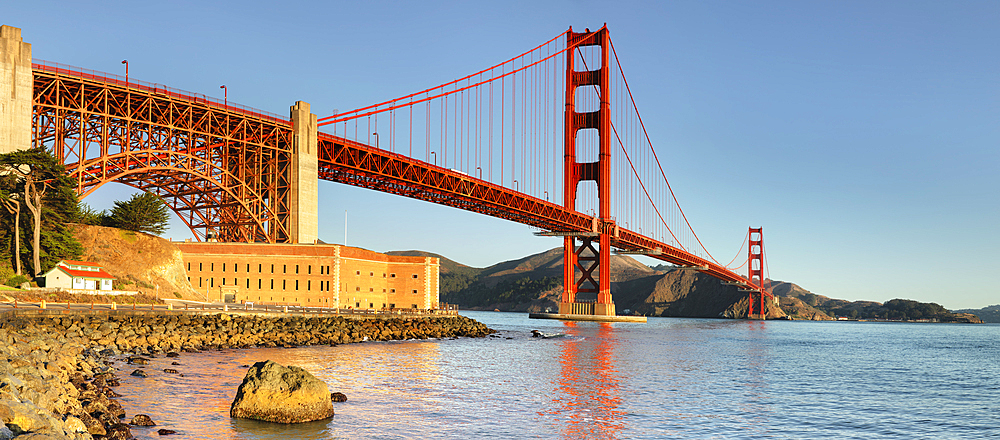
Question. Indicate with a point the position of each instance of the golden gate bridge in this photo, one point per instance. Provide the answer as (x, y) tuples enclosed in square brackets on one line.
[(551, 138)]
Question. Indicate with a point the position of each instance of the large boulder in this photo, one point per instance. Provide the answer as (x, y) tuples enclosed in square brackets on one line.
[(274, 393)]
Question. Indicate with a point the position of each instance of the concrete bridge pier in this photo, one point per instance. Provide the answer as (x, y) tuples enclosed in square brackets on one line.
[(303, 198), (16, 81)]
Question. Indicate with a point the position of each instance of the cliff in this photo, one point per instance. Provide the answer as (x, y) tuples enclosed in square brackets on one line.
[(141, 262)]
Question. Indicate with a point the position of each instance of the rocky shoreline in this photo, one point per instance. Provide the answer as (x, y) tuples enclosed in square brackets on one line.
[(56, 381)]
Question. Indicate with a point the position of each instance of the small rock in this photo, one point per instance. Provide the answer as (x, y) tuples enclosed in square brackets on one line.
[(338, 397), (142, 420), (175, 363), (135, 360), (172, 354), (244, 366), (119, 431), (139, 373), (109, 393), (166, 432), (170, 370)]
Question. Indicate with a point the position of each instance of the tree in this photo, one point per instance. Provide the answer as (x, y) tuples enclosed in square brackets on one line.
[(41, 184), (13, 206), (144, 212)]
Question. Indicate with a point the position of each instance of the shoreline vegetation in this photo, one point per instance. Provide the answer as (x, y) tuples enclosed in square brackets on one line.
[(55, 373)]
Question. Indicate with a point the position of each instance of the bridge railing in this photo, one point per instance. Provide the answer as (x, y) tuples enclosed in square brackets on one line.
[(110, 78)]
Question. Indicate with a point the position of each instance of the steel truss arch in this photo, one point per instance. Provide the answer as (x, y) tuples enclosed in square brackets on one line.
[(248, 222)]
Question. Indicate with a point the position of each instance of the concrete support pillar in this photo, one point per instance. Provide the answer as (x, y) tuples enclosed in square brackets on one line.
[(303, 222), (15, 91)]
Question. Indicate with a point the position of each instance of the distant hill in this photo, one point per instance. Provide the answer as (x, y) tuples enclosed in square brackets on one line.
[(987, 314), (534, 284), (800, 303)]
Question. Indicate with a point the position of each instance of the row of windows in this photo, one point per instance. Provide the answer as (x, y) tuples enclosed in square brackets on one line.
[(371, 274), (324, 286), (323, 270)]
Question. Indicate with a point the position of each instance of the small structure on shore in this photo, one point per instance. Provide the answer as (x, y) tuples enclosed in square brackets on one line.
[(78, 275), (275, 393)]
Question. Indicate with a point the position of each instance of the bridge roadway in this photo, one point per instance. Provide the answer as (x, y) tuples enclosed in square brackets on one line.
[(189, 146)]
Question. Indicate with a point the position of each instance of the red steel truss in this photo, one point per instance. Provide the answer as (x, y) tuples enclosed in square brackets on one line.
[(222, 169)]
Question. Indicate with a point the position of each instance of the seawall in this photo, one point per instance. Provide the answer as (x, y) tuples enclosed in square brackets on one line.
[(54, 379)]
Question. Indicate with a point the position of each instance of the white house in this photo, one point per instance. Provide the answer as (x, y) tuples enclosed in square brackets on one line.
[(85, 275)]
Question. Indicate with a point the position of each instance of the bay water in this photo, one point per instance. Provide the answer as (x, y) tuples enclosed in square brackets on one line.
[(667, 378)]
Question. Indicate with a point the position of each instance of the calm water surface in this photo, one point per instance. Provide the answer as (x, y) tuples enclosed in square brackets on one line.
[(668, 378)]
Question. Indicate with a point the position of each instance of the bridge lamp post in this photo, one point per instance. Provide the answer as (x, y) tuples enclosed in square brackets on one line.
[(480, 172), (435, 157), (516, 186), (376, 139), (125, 62), (546, 196), (225, 95)]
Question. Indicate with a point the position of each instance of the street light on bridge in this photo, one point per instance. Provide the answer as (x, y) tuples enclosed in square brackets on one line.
[(376, 139), (225, 95), (125, 62), (435, 157)]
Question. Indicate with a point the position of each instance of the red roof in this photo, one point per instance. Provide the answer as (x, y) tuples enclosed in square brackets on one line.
[(100, 273), (81, 263)]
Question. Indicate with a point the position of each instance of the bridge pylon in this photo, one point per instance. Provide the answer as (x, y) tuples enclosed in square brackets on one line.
[(755, 271), (16, 81), (597, 260)]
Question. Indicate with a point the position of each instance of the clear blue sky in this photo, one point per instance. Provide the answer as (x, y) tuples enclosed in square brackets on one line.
[(864, 137)]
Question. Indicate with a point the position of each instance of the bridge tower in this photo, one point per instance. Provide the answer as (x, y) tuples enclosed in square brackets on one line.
[(755, 269), (585, 259), (16, 80)]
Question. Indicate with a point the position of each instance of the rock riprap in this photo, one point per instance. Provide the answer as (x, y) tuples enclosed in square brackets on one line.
[(275, 393)]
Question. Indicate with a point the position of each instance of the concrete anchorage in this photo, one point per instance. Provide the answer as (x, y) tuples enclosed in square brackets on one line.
[(303, 203), (16, 80)]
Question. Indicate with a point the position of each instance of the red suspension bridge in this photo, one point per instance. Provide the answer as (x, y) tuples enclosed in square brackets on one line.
[(551, 138)]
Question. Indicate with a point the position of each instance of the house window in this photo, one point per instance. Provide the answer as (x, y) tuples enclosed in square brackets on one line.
[(248, 283), (414, 290), (284, 268), (357, 289), (272, 286), (309, 270), (199, 282), (371, 274), (309, 285), (248, 267), (189, 266), (357, 272), (414, 275), (296, 268), (392, 305), (212, 267), (413, 306), (383, 274), (223, 267), (392, 291), (284, 284), (199, 267), (211, 282), (371, 289), (260, 268), (260, 283), (392, 275), (272, 268)]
